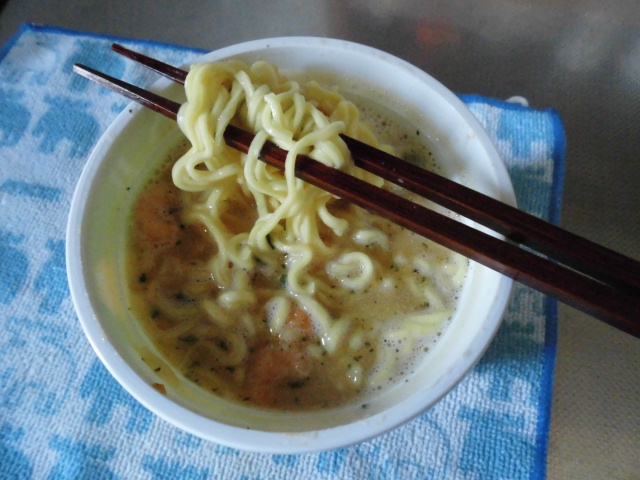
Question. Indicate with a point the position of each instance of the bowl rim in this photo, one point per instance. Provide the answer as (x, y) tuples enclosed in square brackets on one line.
[(234, 436)]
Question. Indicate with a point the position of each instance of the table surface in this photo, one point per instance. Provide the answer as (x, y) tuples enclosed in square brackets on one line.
[(581, 57)]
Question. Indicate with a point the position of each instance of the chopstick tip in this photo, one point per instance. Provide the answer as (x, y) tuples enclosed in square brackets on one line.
[(80, 68)]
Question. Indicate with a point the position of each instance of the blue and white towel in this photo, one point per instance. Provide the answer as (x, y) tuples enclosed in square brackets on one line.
[(62, 416)]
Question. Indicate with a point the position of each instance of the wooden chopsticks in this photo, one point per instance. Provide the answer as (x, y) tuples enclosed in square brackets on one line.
[(518, 226), (589, 277)]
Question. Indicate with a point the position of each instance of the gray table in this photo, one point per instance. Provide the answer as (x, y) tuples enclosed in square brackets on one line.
[(581, 57)]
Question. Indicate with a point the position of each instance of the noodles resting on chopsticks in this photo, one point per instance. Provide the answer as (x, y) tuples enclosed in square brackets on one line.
[(288, 258)]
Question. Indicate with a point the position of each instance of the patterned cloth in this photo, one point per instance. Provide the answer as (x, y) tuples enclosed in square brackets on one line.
[(62, 416)]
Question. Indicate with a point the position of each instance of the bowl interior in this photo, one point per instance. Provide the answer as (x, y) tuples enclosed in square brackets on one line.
[(138, 141)]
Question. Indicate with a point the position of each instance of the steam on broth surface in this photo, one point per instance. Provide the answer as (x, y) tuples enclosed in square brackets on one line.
[(264, 289)]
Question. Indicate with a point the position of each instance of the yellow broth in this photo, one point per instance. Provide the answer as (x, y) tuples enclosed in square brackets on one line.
[(294, 366)]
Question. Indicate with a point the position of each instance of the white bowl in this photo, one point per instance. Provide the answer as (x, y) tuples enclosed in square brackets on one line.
[(138, 139)]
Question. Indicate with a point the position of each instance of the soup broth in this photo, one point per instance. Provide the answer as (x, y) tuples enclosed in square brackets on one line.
[(358, 315)]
